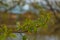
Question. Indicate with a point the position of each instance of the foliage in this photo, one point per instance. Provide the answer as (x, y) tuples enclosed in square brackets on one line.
[(5, 32), (28, 24), (24, 37), (33, 25)]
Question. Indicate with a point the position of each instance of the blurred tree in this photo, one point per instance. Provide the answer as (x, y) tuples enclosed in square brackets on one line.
[(54, 11), (30, 26)]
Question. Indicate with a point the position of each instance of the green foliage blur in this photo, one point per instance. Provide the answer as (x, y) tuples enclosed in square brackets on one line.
[(33, 25), (28, 24), (5, 32)]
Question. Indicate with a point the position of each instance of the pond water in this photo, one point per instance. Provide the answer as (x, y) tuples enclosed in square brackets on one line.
[(36, 37)]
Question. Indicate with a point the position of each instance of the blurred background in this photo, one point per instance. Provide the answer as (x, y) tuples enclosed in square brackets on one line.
[(13, 12)]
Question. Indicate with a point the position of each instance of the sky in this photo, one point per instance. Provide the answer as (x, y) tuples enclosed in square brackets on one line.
[(17, 9)]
